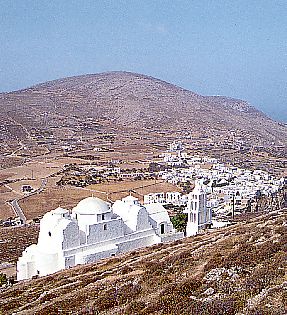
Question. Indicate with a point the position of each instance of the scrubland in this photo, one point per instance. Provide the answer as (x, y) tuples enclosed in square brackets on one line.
[(240, 269)]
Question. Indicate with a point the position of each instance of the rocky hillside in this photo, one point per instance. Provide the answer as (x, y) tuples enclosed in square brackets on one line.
[(14, 240), (128, 101), (118, 111), (239, 269)]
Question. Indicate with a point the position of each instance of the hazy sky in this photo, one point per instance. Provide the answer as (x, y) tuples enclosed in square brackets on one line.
[(236, 48)]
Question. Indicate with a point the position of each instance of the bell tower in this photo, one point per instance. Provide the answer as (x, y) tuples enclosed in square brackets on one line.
[(198, 216)]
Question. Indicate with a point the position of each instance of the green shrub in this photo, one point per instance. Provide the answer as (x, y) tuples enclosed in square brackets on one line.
[(179, 221), (3, 279)]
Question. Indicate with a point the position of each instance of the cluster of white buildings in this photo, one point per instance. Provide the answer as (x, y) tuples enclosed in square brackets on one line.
[(180, 158), (227, 187), (173, 197), (94, 229)]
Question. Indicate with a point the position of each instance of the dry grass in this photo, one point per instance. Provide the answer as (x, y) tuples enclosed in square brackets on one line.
[(67, 197), (51, 198), (4, 189), (35, 168), (119, 190), (227, 271), (5, 211), (14, 240), (39, 168)]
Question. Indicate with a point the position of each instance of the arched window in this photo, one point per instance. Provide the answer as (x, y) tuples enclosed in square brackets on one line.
[(105, 227), (162, 228), (49, 233)]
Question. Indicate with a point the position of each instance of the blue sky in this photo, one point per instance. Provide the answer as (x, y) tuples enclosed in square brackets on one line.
[(236, 48)]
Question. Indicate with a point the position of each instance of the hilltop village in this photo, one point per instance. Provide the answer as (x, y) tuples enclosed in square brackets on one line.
[(95, 230), (230, 188)]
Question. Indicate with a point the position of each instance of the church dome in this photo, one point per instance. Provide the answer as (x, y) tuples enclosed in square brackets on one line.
[(92, 205)]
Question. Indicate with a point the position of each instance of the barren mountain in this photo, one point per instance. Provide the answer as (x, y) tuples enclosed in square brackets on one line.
[(131, 104), (131, 101), (239, 269)]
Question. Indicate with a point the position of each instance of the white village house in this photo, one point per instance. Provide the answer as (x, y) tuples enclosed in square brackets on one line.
[(172, 197), (95, 230)]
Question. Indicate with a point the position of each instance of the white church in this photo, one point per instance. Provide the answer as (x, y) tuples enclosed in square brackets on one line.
[(95, 230)]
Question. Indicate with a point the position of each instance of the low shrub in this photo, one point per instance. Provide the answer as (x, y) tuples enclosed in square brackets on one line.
[(216, 261), (135, 307), (126, 269), (117, 296)]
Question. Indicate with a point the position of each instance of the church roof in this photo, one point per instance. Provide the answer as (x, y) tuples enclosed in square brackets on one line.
[(92, 205), (59, 210), (128, 211), (130, 199), (157, 212), (199, 188)]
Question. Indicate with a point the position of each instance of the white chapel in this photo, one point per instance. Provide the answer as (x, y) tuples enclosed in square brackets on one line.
[(94, 230)]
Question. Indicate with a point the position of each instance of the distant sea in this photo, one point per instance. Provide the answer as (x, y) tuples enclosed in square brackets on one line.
[(280, 118), (279, 115)]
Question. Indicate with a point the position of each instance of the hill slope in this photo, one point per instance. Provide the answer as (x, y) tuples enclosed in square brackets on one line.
[(240, 269), (91, 109), (131, 101)]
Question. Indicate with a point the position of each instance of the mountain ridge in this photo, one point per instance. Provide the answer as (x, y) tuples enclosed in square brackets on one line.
[(216, 98), (86, 82), (132, 104)]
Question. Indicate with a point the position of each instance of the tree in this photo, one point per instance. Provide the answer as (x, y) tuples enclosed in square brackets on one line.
[(179, 222)]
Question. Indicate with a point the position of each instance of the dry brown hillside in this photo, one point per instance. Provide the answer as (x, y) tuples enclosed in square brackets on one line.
[(127, 102), (130, 100), (240, 269)]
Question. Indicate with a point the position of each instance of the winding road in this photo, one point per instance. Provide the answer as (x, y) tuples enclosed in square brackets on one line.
[(16, 207), (18, 210)]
